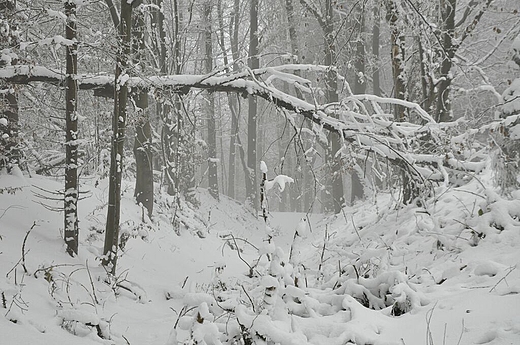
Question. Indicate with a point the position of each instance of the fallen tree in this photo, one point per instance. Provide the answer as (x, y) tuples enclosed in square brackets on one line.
[(361, 119)]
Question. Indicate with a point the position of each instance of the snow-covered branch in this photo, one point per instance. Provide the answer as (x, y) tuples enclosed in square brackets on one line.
[(369, 130)]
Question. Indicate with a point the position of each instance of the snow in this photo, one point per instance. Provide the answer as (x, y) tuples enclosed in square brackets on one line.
[(263, 167), (511, 98), (279, 180), (387, 275)]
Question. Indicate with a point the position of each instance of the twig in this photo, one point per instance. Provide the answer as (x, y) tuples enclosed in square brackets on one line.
[(355, 229), (91, 282), (12, 206), (429, 315), (324, 246), (249, 297), (23, 247), (184, 282), (240, 256), (511, 269), (7, 274), (461, 332)]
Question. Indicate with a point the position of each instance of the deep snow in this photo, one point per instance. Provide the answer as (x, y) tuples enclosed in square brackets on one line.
[(452, 264)]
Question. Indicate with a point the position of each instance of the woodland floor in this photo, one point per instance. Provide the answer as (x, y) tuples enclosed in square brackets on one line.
[(451, 266)]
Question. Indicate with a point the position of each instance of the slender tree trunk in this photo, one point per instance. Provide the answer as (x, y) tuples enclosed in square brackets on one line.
[(306, 167), (427, 88), (356, 187), (251, 189), (232, 100), (331, 81), (443, 106), (397, 56), (71, 226), (210, 112), (164, 106), (376, 83), (397, 41), (118, 139), (143, 133)]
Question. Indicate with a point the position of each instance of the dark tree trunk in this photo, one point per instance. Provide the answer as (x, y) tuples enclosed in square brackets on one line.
[(118, 138), (71, 227)]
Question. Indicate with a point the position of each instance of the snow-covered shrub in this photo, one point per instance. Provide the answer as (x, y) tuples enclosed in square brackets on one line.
[(495, 215), (83, 323)]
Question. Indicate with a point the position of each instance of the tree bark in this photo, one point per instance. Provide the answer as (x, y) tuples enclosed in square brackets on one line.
[(71, 225), (118, 138)]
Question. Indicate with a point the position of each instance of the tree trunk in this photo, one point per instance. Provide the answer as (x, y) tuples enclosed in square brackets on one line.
[(443, 106), (71, 227), (143, 192), (118, 138), (232, 101), (210, 112), (331, 82), (306, 167), (356, 187), (251, 190), (397, 56), (376, 84), (143, 155)]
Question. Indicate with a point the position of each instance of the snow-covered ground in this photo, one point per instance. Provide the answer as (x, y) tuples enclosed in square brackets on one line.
[(442, 273)]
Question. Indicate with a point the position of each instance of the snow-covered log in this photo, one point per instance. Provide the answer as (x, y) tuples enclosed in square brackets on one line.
[(359, 118)]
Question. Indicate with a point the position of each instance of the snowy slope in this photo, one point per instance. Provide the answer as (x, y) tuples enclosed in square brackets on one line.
[(442, 273)]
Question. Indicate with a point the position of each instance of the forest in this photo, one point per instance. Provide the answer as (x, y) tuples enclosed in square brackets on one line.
[(259, 171)]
